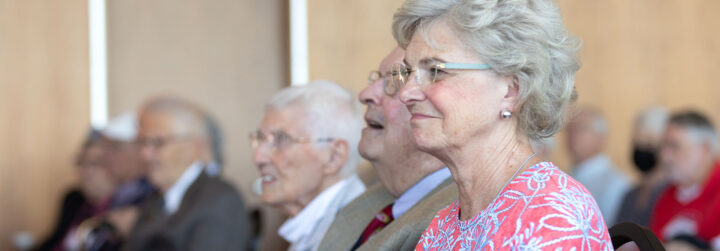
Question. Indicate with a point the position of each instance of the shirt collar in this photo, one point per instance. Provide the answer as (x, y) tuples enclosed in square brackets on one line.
[(322, 206), (175, 194), (418, 191)]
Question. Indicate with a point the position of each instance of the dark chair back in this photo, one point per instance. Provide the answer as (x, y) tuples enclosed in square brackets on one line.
[(630, 232)]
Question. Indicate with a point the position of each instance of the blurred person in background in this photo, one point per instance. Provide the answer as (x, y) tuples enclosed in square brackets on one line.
[(91, 198), (414, 185), (192, 210), (689, 210), (306, 152), (107, 232), (647, 135), (125, 162), (216, 159), (587, 134)]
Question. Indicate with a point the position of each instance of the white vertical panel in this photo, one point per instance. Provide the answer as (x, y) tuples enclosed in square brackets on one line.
[(299, 63), (98, 63)]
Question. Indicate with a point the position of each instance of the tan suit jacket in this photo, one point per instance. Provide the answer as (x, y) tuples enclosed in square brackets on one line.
[(401, 234)]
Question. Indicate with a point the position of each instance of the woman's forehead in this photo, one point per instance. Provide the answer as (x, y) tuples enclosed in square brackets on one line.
[(437, 43)]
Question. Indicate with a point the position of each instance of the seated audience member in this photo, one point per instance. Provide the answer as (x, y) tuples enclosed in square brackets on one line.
[(125, 162), (108, 231), (419, 184), (690, 207), (586, 139), (638, 203), (92, 198), (192, 211), (306, 152), (481, 79)]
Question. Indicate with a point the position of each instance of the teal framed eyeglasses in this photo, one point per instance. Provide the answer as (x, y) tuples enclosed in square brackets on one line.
[(400, 73)]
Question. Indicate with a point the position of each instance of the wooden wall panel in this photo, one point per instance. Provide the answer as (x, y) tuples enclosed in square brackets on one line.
[(635, 54), (349, 38), (44, 109)]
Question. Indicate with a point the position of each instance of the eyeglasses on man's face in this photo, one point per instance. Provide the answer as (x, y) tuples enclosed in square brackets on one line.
[(157, 142), (400, 73), (279, 140), (377, 75)]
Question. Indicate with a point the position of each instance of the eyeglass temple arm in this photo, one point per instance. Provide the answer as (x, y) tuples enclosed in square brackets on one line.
[(464, 66)]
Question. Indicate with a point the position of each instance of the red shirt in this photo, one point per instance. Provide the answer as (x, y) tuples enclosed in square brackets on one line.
[(700, 217)]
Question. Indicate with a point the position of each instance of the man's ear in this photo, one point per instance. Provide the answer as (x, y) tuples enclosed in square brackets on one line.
[(202, 146), (339, 152)]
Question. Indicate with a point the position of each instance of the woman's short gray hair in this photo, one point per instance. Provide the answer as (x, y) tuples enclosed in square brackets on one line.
[(525, 39), (330, 112)]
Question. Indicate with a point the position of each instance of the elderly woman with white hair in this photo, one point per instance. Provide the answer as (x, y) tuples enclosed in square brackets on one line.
[(482, 78)]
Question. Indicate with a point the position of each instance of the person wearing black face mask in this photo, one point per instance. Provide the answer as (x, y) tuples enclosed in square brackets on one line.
[(638, 203), (644, 158)]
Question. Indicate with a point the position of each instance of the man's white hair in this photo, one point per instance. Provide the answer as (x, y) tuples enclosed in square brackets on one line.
[(332, 112)]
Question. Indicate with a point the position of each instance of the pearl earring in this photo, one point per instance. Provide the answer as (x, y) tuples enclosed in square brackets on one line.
[(505, 114)]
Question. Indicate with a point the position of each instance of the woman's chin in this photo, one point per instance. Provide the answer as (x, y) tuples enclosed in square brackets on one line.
[(425, 141)]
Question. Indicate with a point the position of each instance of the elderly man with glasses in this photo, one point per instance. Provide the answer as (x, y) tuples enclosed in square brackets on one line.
[(192, 210), (306, 152), (414, 185)]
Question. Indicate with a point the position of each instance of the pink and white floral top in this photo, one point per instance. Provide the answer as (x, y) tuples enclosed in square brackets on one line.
[(541, 209)]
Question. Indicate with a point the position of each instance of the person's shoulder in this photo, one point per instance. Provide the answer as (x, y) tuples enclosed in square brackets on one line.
[(440, 198), (213, 190), (373, 199), (376, 190), (546, 179), (544, 171)]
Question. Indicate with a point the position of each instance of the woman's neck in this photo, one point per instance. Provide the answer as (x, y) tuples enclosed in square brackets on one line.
[(481, 168)]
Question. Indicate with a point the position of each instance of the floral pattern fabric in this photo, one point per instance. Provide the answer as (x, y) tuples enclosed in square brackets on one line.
[(541, 209)]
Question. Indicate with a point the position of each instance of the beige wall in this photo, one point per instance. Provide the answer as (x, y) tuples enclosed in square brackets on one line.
[(229, 56), (44, 108), (635, 54), (349, 38)]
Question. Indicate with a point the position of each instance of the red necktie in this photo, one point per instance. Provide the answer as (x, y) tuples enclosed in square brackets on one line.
[(382, 219)]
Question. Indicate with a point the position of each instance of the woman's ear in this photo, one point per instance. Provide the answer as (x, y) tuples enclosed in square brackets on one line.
[(512, 94), (339, 152)]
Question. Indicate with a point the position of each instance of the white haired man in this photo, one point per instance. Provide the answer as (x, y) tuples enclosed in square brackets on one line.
[(688, 209), (306, 152), (586, 139), (192, 210)]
